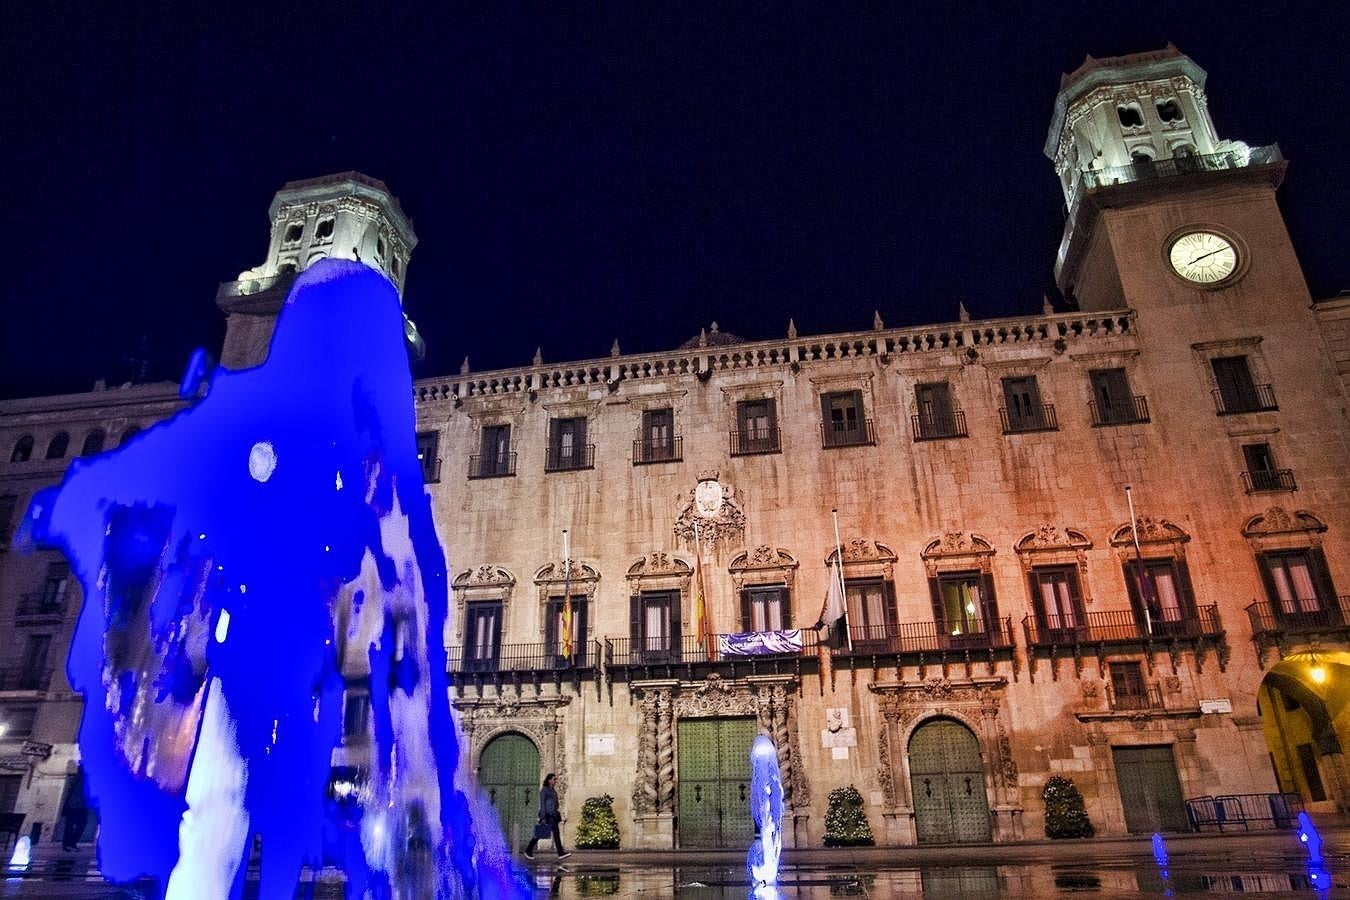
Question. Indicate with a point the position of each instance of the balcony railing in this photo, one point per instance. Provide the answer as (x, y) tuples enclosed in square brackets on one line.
[(1132, 412), (431, 470), (1307, 617), (1149, 698), (669, 450), (750, 441), (24, 678), (538, 657), (39, 605), (1146, 170), (1118, 626), (1040, 418), (926, 637), (688, 650), (834, 434), (1269, 480), (568, 459), (496, 465), (1261, 398), (935, 426), (1244, 812)]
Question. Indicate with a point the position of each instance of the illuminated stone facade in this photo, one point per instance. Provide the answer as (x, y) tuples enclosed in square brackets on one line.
[(998, 621)]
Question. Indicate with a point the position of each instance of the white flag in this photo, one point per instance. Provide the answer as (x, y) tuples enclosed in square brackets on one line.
[(833, 610)]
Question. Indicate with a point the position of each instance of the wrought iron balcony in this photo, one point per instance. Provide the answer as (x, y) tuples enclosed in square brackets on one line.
[(749, 441), (1311, 616), (1149, 169), (496, 465), (1149, 698), (926, 637), (1132, 412), (1261, 398), (523, 658), (936, 426), (1119, 626), (1039, 418), (568, 459), (626, 657), (649, 451), (39, 605), (1265, 480), (24, 678), (834, 434), (431, 470)]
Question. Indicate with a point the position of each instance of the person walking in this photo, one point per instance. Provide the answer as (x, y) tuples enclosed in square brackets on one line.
[(549, 819)]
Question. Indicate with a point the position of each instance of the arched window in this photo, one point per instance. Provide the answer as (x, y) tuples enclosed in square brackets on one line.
[(23, 450), (93, 443), (1130, 116), (57, 448)]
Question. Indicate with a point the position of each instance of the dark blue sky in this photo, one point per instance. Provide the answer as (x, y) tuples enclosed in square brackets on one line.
[(580, 176)]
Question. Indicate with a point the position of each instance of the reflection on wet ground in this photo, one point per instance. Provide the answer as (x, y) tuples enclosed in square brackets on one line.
[(1270, 875)]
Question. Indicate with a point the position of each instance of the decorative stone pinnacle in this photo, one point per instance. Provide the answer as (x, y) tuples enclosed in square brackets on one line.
[(464, 367), (877, 324), (792, 330), (703, 337), (1046, 308), (614, 350), (538, 356), (962, 313)]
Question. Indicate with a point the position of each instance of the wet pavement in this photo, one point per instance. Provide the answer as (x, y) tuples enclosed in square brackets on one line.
[(1270, 864)]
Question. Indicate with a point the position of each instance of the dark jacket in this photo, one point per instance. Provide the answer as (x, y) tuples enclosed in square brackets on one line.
[(548, 805)]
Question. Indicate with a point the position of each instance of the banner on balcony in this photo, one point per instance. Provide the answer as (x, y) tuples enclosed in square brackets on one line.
[(758, 643)]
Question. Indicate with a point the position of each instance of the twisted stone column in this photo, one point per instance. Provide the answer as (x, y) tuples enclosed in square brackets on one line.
[(665, 753), (644, 792)]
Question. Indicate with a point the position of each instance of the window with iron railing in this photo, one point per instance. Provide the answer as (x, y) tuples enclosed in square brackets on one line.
[(427, 443), (1024, 411), (842, 421), (482, 636), (1236, 390), (657, 441), (756, 428), (1129, 690), (496, 458), (1112, 402), (938, 416), (1261, 474), (567, 447)]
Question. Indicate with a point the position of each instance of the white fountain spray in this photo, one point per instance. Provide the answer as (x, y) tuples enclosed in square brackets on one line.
[(766, 809)]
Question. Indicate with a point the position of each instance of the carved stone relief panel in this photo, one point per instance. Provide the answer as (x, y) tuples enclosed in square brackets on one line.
[(864, 558), (763, 565), (485, 582), (538, 718), (576, 576)]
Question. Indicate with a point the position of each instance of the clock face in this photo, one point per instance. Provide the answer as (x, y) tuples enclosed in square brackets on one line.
[(1203, 257)]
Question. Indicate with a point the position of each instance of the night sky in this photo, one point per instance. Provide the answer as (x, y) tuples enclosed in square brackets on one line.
[(576, 177)]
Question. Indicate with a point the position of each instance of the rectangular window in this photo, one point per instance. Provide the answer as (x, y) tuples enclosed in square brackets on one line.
[(554, 632), (965, 605), (657, 626), (756, 427), (10, 788), (356, 715), (1237, 391), (427, 442), (1128, 688), (1299, 588), (8, 504), (765, 608), (495, 458), (1058, 602), (937, 416), (1261, 473), (870, 606), (482, 636), (567, 447), (1023, 409), (1162, 598), (843, 421), (56, 588), (657, 442), (1112, 401)]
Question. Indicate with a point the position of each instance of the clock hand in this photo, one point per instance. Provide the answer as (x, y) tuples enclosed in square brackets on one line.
[(1205, 255)]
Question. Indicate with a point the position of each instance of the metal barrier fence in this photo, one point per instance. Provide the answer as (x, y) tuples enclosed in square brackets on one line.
[(1244, 812)]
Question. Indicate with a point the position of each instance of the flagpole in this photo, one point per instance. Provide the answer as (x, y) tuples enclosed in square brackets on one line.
[(1139, 563), (568, 641), (839, 561), (701, 607)]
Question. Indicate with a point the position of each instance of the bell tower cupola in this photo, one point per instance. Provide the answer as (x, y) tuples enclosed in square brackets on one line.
[(346, 216)]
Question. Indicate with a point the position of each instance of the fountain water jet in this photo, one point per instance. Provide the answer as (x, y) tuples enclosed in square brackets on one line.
[(239, 562), (766, 809)]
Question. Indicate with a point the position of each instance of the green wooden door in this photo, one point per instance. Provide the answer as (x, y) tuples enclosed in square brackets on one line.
[(1149, 789), (947, 781), (714, 782), (509, 773)]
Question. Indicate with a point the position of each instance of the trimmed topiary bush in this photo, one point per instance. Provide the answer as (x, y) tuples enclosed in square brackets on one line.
[(845, 822), (1065, 814), (599, 830)]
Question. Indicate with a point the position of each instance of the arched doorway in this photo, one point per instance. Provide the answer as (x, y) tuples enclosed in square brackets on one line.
[(946, 779), (509, 773), (1305, 716)]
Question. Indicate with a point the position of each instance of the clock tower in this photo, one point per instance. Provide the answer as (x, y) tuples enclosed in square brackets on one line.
[(1163, 215)]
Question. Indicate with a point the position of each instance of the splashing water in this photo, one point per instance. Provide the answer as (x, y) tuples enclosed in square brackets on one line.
[(1319, 876), (766, 809), (241, 563)]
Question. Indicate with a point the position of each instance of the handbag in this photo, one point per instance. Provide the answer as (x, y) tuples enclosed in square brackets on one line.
[(542, 830)]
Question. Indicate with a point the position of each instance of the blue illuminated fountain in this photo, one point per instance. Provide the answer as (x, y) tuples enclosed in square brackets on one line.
[(237, 561), (766, 809), (1319, 876)]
